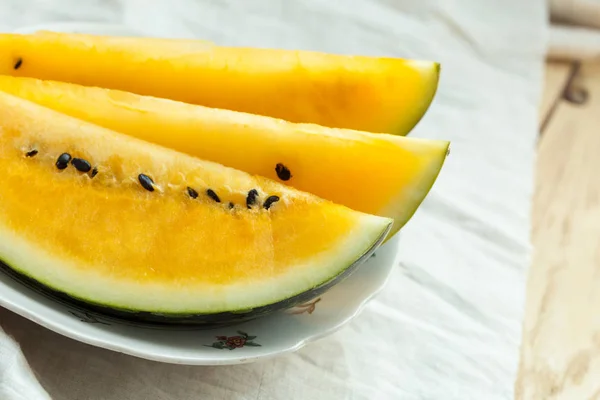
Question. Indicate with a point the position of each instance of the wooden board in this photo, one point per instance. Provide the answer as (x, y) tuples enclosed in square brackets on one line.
[(556, 76), (560, 356)]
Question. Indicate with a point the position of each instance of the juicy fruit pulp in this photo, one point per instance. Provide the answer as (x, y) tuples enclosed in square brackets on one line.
[(382, 95), (107, 239), (381, 174)]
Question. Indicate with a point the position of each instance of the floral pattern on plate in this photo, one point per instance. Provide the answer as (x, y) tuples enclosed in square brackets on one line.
[(234, 342)]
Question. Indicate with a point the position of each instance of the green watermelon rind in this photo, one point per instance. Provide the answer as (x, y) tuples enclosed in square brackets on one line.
[(241, 314)]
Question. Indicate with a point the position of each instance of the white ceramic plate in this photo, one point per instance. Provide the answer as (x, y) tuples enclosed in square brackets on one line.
[(246, 342)]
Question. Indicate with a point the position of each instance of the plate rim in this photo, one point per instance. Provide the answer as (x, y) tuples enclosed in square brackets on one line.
[(51, 325)]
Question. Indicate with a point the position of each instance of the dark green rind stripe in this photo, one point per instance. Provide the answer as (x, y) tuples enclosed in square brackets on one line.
[(208, 321)]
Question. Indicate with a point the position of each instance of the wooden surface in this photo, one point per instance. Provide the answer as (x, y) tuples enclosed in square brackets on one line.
[(556, 78), (560, 355)]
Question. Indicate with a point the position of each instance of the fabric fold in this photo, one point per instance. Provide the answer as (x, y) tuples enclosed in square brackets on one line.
[(17, 381)]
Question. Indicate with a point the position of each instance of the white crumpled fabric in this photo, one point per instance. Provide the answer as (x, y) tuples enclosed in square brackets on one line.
[(448, 325)]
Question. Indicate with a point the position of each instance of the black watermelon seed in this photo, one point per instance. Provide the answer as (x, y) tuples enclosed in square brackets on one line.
[(31, 153), (63, 161), (269, 201), (283, 172), (211, 193), (251, 198), (18, 63), (81, 165), (146, 182), (192, 193), (94, 172), (231, 205)]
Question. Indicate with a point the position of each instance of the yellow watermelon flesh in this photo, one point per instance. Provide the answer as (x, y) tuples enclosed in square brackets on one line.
[(131, 226), (381, 174), (374, 94)]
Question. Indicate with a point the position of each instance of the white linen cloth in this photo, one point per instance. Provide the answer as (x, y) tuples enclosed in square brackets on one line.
[(448, 325)]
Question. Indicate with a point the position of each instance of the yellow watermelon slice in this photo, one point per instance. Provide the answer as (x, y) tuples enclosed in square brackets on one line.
[(132, 228), (382, 174), (375, 94)]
